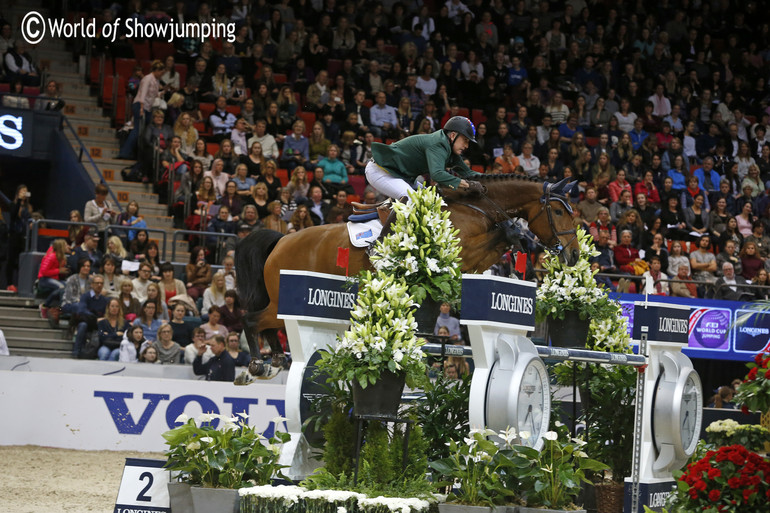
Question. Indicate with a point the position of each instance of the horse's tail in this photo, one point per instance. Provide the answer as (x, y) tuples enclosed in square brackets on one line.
[(251, 254)]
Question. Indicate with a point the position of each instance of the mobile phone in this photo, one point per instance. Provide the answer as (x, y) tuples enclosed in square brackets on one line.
[(28, 194)]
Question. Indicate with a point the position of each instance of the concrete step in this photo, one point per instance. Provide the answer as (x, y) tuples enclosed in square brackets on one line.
[(80, 101), (84, 129), (72, 87), (78, 120), (19, 313), (34, 334), (42, 353), (18, 302), (107, 151), (80, 108), (14, 321), (161, 222), (59, 64)]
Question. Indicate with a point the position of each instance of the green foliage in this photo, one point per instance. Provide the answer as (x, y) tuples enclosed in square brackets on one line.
[(377, 465), (423, 249), (552, 477), (728, 432), (754, 392), (443, 414), (340, 443), (610, 417), (381, 336), (232, 456)]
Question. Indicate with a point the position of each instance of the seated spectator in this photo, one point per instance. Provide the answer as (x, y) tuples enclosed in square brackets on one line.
[(696, 218), (142, 281), (174, 161), (241, 358), (53, 269), (130, 307), (708, 178), (198, 273), (201, 154), (729, 285), (445, 320), (75, 286), (341, 210), (153, 294), (232, 315), (19, 65), (604, 223), (215, 294), (672, 218), (50, 99), (130, 346), (750, 260), (679, 289), (300, 220), (723, 399), (589, 206), (296, 147), (761, 278), (703, 262), (630, 220), (384, 118), (730, 254), (91, 307), (678, 173), (656, 286), (623, 204), (89, 250), (111, 330), (745, 219), (530, 164), (618, 185), (274, 221), (168, 285), (169, 352), (657, 249), (508, 161), (688, 195), (625, 253), (221, 121), (213, 327), (149, 354), (220, 367), (182, 328), (149, 321), (759, 238), (115, 252), (198, 341)]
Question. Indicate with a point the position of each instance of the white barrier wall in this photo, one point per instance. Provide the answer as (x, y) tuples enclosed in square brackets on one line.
[(93, 412)]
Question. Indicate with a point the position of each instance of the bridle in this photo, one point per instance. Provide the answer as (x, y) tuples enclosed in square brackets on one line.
[(514, 231)]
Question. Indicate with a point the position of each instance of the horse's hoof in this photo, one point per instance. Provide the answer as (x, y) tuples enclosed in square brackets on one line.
[(244, 378), (256, 367), (270, 372), (278, 360)]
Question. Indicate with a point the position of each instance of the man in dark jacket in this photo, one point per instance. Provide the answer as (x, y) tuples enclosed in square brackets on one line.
[(91, 306), (220, 367)]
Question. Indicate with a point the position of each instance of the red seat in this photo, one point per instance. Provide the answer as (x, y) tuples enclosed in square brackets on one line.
[(477, 116), (235, 110), (280, 78), (358, 183), (125, 67), (353, 197), (392, 50), (5, 87), (94, 73), (162, 49), (478, 168), (283, 176), (206, 109), (182, 70), (464, 111), (309, 119), (368, 103), (142, 50), (111, 82), (592, 141), (333, 67), (212, 148), (31, 90)]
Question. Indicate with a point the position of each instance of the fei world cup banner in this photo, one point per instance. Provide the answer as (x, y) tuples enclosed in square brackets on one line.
[(720, 330)]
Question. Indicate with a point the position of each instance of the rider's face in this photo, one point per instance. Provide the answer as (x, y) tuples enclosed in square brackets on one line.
[(460, 143)]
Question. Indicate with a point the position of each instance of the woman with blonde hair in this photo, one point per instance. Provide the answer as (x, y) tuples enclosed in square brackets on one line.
[(259, 199), (299, 185), (184, 129), (129, 305), (274, 221), (214, 295), (404, 114), (269, 178), (154, 296), (116, 250), (300, 220)]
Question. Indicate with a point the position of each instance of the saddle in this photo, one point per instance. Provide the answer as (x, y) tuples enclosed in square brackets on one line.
[(363, 212)]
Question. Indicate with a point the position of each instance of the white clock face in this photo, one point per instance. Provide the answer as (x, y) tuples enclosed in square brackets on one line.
[(690, 413), (532, 402)]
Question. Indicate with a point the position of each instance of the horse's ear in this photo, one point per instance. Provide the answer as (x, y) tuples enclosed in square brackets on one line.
[(568, 187), (558, 188)]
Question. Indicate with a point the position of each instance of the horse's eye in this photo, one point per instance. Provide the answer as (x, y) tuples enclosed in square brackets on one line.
[(557, 211)]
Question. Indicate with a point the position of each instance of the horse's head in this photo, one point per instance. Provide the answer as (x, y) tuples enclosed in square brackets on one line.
[(550, 218)]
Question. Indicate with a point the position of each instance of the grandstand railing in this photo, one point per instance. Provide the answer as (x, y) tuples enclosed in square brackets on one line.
[(179, 233), (117, 229), (82, 150), (34, 231)]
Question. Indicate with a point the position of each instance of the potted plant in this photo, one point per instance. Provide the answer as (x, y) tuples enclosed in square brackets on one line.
[(220, 456), (423, 250), (729, 432), (476, 469), (380, 352), (754, 393), (570, 299), (730, 479), (550, 479)]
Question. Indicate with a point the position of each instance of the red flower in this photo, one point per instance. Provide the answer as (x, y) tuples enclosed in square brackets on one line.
[(748, 493), (700, 485), (693, 493), (714, 473), (744, 409), (752, 375), (758, 358), (767, 374), (736, 458), (734, 482), (714, 495)]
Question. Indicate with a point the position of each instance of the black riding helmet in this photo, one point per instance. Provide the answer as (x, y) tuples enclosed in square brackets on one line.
[(461, 125)]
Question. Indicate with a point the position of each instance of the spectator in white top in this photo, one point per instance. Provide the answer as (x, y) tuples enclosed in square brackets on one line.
[(6, 39), (528, 161), (456, 10), (19, 65), (269, 146), (661, 106), (384, 118), (218, 176), (141, 108), (426, 82)]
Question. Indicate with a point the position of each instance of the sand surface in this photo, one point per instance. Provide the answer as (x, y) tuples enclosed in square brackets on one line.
[(44, 479)]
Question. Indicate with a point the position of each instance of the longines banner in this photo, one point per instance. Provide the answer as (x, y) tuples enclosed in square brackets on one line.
[(89, 412), (27, 133), (723, 330)]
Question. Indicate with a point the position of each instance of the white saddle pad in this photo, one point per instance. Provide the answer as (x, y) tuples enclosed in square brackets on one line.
[(363, 234)]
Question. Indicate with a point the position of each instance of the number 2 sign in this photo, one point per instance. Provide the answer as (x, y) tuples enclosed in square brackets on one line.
[(143, 487)]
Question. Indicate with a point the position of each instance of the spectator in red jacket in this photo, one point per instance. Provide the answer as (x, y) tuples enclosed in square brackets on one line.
[(625, 253), (53, 269)]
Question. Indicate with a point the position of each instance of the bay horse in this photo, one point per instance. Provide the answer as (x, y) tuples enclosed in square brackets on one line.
[(483, 220)]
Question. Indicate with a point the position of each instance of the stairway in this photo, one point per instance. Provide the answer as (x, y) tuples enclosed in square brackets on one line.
[(29, 335)]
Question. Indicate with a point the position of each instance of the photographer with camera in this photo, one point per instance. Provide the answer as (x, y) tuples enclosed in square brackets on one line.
[(100, 211), (21, 213)]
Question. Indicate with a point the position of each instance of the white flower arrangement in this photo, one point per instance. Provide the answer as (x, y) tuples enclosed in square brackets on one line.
[(573, 288), (285, 499), (381, 335), (423, 249), (724, 426)]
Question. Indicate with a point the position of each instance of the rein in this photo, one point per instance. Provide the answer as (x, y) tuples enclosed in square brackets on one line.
[(512, 229)]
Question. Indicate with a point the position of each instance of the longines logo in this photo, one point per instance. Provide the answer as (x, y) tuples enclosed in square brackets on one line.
[(754, 331)]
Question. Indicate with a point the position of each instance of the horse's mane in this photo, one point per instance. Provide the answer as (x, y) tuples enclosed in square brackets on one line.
[(502, 177)]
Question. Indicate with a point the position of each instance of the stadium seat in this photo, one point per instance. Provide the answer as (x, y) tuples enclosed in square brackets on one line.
[(94, 72), (334, 66), (280, 78), (235, 110), (354, 197), (309, 119), (142, 50), (477, 116), (592, 141), (464, 111), (358, 182), (283, 176), (124, 67), (206, 109), (212, 148), (162, 49)]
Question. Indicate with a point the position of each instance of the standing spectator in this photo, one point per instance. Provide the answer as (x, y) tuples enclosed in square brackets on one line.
[(220, 367), (703, 262), (99, 210), (21, 214), (149, 90)]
